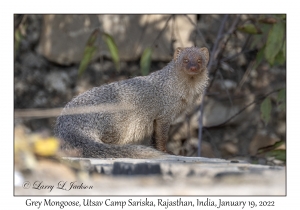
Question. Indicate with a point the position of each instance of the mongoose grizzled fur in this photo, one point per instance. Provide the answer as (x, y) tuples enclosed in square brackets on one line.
[(109, 121)]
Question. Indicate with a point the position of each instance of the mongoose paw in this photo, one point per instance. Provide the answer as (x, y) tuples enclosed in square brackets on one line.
[(169, 152)]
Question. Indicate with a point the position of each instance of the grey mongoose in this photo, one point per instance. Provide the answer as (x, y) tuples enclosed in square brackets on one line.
[(111, 121)]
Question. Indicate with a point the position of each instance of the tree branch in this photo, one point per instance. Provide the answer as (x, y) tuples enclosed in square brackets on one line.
[(160, 33), (212, 58), (243, 109), (198, 31)]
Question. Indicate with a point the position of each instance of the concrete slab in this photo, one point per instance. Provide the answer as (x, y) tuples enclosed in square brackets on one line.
[(172, 175)]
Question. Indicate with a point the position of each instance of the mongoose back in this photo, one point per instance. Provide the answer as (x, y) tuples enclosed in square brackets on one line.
[(111, 120)]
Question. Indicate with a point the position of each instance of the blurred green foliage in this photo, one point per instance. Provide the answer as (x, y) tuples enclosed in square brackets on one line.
[(19, 34), (91, 48), (281, 99), (113, 49), (145, 61), (277, 150), (249, 29), (89, 51), (275, 43), (18, 37), (269, 34), (269, 38), (265, 109), (279, 154)]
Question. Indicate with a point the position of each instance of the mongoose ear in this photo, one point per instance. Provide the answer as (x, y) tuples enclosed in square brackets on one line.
[(176, 53), (205, 52)]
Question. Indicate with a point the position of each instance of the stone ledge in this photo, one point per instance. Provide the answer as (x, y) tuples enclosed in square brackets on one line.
[(171, 164), (173, 175)]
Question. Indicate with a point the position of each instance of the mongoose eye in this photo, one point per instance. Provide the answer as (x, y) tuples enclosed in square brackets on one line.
[(185, 60), (199, 61)]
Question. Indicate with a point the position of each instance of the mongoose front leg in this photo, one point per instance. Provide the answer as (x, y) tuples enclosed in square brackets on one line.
[(160, 136)]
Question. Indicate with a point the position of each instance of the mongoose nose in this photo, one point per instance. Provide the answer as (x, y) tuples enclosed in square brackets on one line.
[(193, 68)]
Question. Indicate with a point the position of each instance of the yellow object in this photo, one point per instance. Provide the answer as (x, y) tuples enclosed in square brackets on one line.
[(46, 147)]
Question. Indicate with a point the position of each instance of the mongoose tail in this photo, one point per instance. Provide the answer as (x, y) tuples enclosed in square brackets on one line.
[(92, 149)]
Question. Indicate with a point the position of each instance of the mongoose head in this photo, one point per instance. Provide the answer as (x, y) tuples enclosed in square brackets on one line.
[(191, 60)]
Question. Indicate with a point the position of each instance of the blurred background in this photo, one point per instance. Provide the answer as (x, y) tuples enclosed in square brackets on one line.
[(57, 57)]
